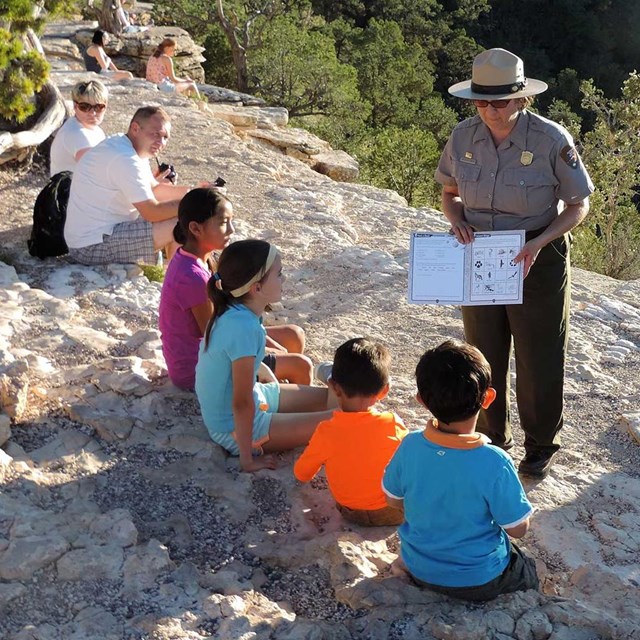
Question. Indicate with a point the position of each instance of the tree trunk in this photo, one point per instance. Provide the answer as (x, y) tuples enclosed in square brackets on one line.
[(108, 18), (238, 49), (18, 146)]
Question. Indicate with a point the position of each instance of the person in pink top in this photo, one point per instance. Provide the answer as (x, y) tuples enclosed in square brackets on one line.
[(205, 225), (160, 71)]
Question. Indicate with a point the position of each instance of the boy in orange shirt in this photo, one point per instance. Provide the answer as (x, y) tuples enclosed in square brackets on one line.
[(356, 444)]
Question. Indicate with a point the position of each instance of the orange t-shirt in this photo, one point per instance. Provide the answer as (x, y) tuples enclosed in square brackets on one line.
[(354, 448)]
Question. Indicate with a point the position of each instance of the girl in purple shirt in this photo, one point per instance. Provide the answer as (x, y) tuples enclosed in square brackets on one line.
[(205, 225)]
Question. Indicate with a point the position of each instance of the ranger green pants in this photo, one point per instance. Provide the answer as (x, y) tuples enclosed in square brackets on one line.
[(540, 329)]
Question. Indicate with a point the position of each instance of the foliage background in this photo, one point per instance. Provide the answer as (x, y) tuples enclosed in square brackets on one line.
[(371, 77)]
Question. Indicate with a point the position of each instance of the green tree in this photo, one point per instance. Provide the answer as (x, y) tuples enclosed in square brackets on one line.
[(559, 111), (298, 69), (435, 116), (403, 159), (392, 75), (23, 71), (218, 65), (609, 240)]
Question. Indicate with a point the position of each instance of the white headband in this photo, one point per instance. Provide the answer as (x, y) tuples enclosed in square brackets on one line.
[(240, 291)]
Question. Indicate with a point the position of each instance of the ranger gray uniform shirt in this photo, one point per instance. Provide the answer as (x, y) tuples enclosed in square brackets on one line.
[(519, 184)]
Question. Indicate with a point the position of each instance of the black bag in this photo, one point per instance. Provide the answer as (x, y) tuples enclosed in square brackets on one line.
[(49, 215)]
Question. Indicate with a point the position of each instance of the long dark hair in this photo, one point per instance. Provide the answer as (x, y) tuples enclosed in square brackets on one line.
[(198, 205), (238, 264), (98, 37)]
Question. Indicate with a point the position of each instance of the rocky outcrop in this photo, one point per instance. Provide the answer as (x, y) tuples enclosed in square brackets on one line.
[(267, 126)]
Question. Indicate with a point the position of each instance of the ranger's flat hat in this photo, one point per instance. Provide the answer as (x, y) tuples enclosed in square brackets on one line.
[(497, 74)]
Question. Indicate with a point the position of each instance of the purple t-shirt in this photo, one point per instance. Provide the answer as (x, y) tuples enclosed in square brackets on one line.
[(184, 287)]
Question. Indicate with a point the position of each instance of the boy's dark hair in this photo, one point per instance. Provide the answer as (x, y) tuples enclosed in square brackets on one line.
[(361, 367), (453, 380)]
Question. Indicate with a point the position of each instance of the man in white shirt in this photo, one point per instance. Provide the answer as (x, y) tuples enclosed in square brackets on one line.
[(82, 131), (118, 211)]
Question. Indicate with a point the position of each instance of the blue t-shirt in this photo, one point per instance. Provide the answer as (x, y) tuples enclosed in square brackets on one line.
[(456, 503), (236, 334)]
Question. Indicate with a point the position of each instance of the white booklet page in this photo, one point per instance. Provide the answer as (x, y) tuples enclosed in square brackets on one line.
[(444, 271)]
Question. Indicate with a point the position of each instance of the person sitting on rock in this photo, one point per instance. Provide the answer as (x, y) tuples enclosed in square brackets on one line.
[(205, 226), (82, 130), (357, 442), (461, 496), (126, 20), (244, 416), (160, 71), (97, 60), (118, 211)]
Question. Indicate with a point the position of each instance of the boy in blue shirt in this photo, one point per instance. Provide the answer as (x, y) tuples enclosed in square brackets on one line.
[(461, 496)]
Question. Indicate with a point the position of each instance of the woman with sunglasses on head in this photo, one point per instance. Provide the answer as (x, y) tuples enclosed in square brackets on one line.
[(82, 130), (97, 59), (508, 168)]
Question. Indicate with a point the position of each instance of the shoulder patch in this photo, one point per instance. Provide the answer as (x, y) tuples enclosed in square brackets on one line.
[(569, 156)]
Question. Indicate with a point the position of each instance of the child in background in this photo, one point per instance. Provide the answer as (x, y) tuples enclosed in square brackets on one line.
[(461, 496), (205, 225), (357, 442), (243, 415)]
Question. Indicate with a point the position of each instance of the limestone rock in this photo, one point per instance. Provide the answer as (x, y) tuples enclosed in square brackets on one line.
[(92, 563), (56, 49), (10, 591), (533, 625), (349, 563), (127, 383), (631, 421), (115, 528), (96, 622), (294, 142), (8, 275), (5, 428), (264, 118), (221, 95), (226, 582), (143, 565), (14, 390), (67, 443), (378, 592), (238, 117), (142, 337), (5, 461), (338, 165), (98, 340), (109, 426), (25, 555)]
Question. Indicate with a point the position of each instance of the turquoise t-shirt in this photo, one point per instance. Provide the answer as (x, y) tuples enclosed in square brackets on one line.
[(236, 334), (456, 503)]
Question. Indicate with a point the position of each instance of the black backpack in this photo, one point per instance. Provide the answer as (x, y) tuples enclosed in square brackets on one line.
[(49, 215)]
